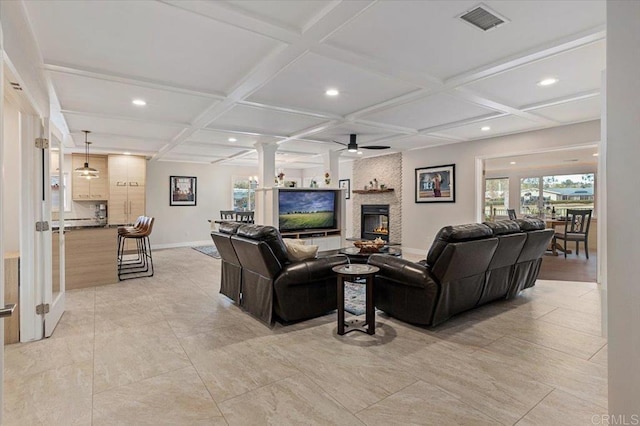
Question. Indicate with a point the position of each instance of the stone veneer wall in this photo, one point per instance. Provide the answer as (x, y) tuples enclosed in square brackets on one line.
[(388, 170)]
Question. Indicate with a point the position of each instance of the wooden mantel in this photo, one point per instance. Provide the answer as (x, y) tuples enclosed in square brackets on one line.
[(371, 191)]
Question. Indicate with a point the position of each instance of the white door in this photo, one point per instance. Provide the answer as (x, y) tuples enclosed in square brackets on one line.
[(56, 199)]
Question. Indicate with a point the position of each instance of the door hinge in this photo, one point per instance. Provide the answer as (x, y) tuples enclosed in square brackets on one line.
[(42, 226), (42, 309), (42, 143)]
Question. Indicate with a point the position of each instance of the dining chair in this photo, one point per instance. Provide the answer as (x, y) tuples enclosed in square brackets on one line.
[(227, 214), (576, 228), (512, 214), (244, 217)]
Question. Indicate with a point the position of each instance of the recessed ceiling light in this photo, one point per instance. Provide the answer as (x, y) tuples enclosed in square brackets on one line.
[(596, 154), (139, 102), (232, 140), (512, 163), (126, 153), (359, 152), (485, 128), (548, 81), (332, 92)]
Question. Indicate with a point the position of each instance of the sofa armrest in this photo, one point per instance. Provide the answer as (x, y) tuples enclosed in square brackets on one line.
[(402, 270), (310, 270)]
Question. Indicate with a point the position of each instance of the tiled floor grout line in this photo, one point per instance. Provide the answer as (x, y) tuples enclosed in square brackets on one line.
[(538, 403), (93, 363), (597, 352)]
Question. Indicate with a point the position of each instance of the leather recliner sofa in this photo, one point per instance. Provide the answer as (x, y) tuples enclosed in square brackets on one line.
[(467, 266), (270, 285), (231, 275)]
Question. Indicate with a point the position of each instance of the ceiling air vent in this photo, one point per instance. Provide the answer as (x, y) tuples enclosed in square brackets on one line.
[(483, 18)]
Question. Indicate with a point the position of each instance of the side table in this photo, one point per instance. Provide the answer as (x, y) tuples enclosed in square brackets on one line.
[(351, 273)]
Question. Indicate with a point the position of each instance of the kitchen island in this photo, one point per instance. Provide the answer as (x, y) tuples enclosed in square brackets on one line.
[(91, 254)]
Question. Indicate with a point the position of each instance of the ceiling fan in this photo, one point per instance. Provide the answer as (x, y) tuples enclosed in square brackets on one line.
[(352, 146)]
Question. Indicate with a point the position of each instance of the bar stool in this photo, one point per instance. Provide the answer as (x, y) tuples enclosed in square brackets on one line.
[(127, 229), (142, 265)]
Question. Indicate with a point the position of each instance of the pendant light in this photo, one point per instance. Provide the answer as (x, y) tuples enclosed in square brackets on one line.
[(86, 171)]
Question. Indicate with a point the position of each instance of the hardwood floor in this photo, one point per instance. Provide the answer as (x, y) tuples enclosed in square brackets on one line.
[(573, 268)]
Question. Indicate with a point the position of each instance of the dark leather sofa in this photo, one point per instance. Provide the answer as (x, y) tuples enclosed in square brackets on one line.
[(467, 266), (257, 275)]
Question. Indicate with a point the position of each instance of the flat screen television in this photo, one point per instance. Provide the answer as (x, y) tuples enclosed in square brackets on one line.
[(301, 210)]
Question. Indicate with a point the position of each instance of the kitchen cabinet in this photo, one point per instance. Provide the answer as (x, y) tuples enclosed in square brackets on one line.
[(90, 189), (127, 174)]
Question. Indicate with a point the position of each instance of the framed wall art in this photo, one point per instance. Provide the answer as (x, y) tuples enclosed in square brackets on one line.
[(182, 190), (436, 184), (345, 184)]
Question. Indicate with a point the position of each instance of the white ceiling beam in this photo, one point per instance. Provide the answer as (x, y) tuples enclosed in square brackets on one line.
[(130, 80), (164, 123), (367, 63), (292, 110), (538, 53), (562, 100), (472, 96), (387, 127), (274, 63), (237, 17)]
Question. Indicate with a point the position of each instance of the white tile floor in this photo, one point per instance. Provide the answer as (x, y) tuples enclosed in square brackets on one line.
[(171, 350)]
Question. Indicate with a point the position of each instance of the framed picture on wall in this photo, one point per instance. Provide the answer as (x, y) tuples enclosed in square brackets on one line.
[(345, 184), (182, 190), (436, 184)]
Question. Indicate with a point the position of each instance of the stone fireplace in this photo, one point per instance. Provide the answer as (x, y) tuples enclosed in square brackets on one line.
[(374, 220), (387, 170)]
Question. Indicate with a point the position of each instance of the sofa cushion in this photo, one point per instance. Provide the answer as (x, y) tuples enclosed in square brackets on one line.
[(503, 227), (531, 224), (270, 235), (229, 227), (455, 234), (297, 250)]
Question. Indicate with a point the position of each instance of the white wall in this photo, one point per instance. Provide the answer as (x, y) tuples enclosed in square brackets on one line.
[(422, 221), (184, 225), (346, 172), (11, 169), (623, 180)]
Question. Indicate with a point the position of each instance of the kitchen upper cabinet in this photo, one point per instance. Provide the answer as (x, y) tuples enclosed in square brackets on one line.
[(127, 174), (90, 189)]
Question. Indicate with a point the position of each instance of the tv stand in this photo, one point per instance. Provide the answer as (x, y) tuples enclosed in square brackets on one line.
[(314, 233)]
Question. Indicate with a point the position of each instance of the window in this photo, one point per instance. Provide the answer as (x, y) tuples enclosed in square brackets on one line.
[(244, 193), (539, 196), (530, 201), (496, 197), (564, 192)]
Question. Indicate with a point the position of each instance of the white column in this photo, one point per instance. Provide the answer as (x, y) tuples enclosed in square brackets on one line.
[(331, 161), (266, 176), (266, 163), (623, 233)]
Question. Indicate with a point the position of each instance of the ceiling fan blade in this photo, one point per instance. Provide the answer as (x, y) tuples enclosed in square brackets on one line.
[(340, 143), (375, 147)]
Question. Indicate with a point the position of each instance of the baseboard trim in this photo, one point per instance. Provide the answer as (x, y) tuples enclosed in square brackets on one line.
[(185, 244)]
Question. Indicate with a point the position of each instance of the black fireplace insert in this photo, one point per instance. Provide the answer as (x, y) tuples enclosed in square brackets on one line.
[(374, 221)]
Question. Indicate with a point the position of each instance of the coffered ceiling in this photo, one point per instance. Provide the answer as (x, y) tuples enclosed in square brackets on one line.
[(220, 76)]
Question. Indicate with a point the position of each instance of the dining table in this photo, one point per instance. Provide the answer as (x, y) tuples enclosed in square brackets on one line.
[(555, 247)]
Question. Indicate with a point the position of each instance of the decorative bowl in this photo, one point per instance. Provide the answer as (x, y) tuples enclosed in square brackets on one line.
[(366, 246)]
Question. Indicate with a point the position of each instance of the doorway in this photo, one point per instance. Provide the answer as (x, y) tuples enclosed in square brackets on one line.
[(547, 185)]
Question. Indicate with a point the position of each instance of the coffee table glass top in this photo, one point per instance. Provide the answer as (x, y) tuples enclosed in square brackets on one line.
[(355, 251), (355, 269)]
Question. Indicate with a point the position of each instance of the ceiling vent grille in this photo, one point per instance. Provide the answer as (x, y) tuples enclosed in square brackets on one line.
[(483, 18)]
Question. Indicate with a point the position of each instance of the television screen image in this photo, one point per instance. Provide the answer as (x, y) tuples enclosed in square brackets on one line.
[(304, 210)]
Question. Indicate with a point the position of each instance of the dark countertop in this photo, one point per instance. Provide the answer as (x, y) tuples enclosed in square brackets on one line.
[(73, 224)]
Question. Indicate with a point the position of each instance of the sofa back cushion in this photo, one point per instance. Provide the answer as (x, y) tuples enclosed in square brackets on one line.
[(456, 234), (531, 224), (256, 256), (269, 235), (504, 227), (229, 227)]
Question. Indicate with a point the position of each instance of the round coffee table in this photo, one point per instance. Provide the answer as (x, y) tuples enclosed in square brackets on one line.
[(351, 273), (354, 255)]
